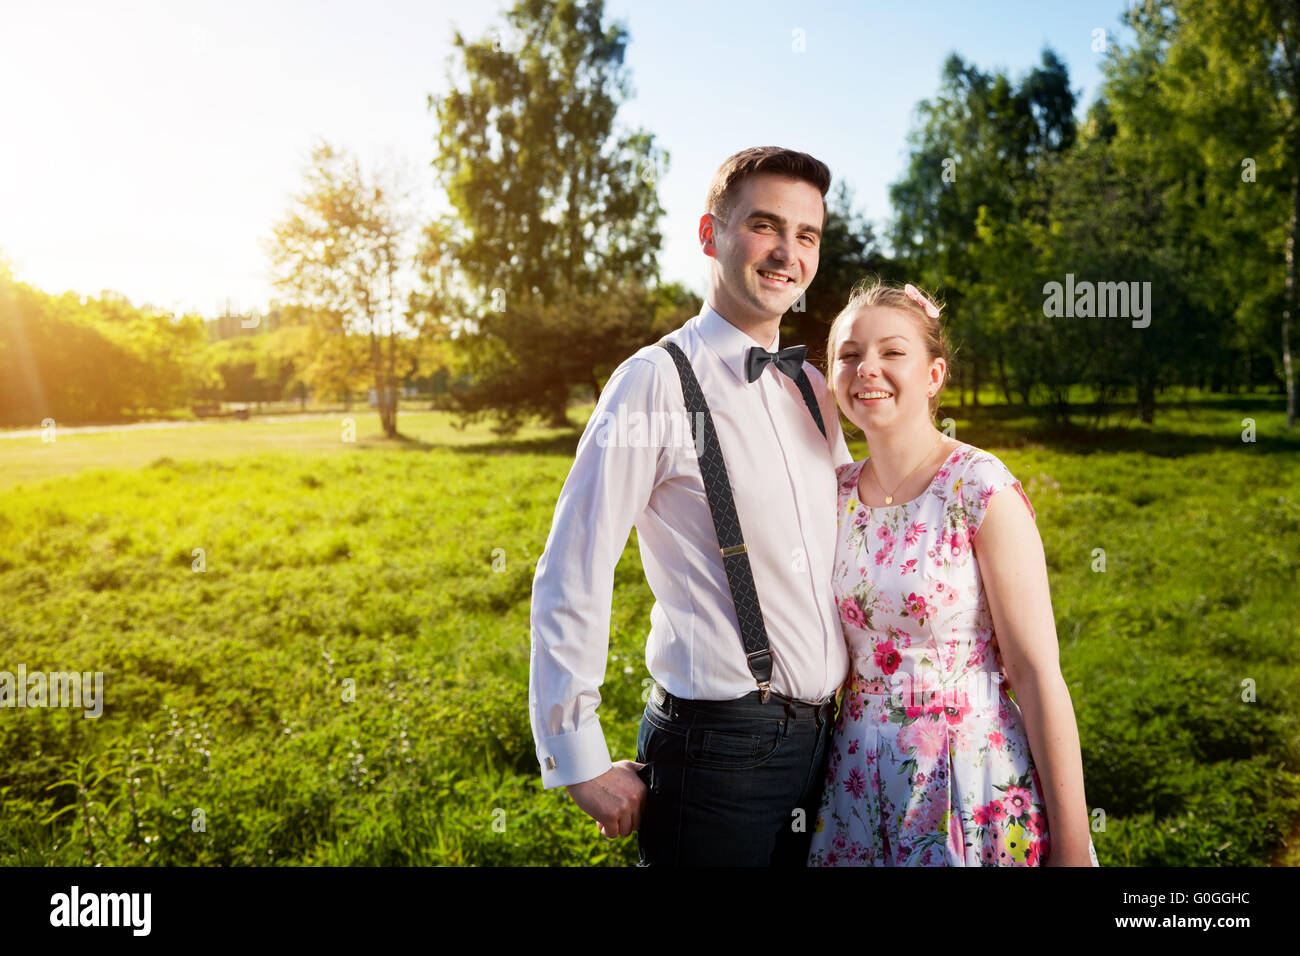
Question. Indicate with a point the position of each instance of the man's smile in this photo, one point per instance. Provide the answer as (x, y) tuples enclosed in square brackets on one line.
[(777, 278)]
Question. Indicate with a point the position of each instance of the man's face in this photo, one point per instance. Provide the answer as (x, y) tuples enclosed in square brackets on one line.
[(767, 250)]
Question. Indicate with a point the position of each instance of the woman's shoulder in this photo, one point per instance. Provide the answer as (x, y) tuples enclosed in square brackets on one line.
[(852, 468), (978, 475), (846, 476), (978, 462)]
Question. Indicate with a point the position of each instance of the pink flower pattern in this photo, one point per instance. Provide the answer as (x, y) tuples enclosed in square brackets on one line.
[(919, 778)]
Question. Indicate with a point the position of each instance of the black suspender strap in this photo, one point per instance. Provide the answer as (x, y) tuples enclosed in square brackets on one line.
[(810, 399), (722, 505)]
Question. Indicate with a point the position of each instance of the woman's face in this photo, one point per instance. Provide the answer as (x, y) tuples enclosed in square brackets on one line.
[(881, 372)]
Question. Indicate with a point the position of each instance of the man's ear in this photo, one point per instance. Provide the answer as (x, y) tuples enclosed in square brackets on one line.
[(708, 225)]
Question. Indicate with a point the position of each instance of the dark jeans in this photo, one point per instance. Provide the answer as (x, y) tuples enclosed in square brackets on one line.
[(726, 780)]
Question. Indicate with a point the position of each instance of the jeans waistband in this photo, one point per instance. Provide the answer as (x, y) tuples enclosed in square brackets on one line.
[(751, 703)]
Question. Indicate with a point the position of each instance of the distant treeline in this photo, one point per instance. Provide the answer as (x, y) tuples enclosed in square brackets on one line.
[(84, 359)]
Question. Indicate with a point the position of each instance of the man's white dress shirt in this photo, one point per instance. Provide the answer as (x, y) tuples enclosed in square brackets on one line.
[(636, 465)]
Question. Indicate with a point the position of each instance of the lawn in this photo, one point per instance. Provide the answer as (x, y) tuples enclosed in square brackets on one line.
[(316, 651)]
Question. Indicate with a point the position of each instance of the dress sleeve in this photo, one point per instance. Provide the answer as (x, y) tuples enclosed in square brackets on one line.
[(846, 479), (985, 476)]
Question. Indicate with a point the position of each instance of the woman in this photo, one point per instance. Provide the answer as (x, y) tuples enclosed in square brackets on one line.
[(943, 596)]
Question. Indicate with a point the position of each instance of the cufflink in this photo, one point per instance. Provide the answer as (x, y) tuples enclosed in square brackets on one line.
[(550, 762)]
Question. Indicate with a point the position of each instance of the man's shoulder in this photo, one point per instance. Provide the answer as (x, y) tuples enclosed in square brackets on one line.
[(643, 368), (815, 376), (653, 362)]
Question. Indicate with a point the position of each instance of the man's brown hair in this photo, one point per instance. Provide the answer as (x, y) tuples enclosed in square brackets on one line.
[(763, 159)]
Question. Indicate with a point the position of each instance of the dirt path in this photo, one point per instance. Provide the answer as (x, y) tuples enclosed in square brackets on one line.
[(148, 426)]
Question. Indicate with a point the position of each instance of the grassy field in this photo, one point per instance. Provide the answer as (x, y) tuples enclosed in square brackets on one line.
[(339, 674)]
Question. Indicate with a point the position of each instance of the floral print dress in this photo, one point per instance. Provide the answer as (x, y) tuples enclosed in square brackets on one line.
[(930, 764)]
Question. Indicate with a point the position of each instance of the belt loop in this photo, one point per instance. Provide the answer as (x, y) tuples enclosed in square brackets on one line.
[(670, 705), (790, 715)]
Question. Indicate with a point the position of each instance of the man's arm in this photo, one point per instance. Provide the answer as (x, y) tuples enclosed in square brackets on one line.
[(607, 489)]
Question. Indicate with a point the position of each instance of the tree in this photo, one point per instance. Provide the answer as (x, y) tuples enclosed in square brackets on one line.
[(339, 255), (980, 144), (1122, 205), (328, 360), (1231, 80), (556, 235)]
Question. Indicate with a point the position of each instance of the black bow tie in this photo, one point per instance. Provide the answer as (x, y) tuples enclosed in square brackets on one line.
[(788, 360)]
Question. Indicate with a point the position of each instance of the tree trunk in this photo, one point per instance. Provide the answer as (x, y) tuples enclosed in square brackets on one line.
[(1060, 403), (383, 393), (559, 408), (390, 377), (1147, 401), (1002, 380), (975, 384), (1289, 301)]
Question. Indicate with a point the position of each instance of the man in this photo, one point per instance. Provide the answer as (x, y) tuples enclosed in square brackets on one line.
[(733, 765)]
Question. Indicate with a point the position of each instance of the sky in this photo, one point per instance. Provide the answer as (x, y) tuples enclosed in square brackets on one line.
[(149, 147)]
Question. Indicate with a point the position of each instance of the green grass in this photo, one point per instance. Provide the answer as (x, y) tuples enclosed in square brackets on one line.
[(28, 458), (346, 681)]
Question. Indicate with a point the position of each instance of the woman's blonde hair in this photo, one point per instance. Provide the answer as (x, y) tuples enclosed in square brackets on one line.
[(872, 292)]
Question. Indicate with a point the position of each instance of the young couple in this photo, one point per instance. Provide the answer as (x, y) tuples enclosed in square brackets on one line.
[(784, 572)]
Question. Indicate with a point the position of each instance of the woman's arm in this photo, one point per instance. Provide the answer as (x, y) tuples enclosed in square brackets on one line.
[(1014, 571)]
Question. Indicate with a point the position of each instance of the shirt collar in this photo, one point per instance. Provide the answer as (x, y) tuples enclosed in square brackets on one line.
[(728, 342)]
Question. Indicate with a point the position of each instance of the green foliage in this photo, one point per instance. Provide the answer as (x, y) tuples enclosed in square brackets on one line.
[(556, 231), (1230, 85), (337, 256), (1186, 176), (980, 145), (256, 368), (94, 359)]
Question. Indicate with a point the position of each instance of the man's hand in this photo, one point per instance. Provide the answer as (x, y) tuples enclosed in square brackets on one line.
[(614, 800)]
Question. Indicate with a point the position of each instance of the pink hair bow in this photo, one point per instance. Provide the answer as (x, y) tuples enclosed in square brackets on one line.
[(913, 293)]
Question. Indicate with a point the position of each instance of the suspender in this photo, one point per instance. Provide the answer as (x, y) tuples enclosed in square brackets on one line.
[(722, 506), (810, 399)]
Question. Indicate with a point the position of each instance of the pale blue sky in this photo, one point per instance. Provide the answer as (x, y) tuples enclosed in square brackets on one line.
[(149, 146)]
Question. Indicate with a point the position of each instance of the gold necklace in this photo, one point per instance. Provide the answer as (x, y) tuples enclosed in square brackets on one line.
[(889, 495)]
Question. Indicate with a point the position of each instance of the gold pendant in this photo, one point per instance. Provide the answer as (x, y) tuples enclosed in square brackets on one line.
[(889, 499)]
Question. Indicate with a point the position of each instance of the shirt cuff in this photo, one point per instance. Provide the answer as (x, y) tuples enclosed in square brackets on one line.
[(573, 758)]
